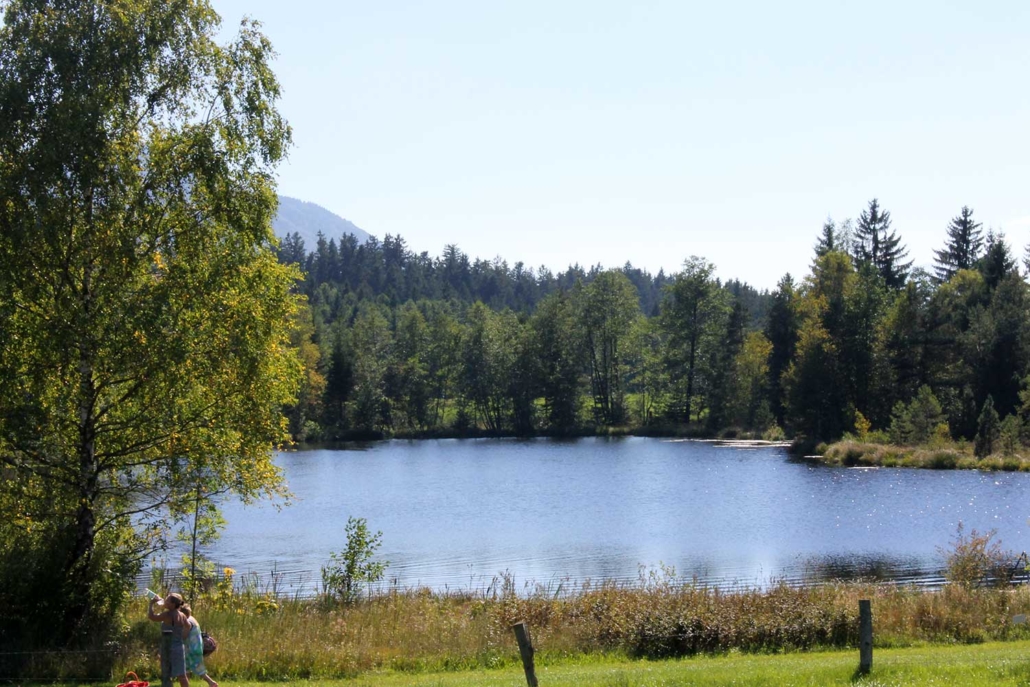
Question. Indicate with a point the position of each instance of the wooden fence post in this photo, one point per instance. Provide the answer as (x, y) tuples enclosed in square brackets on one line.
[(865, 636), (526, 651)]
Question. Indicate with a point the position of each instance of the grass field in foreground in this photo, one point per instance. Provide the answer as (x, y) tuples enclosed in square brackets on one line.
[(996, 664)]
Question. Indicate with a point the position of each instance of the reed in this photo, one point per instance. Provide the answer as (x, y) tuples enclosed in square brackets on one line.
[(855, 453), (659, 616)]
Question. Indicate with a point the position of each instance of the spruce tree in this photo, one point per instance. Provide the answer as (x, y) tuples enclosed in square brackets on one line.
[(724, 359), (558, 345), (988, 430), (782, 331), (924, 414), (881, 247), (963, 247), (828, 240), (901, 424), (997, 261)]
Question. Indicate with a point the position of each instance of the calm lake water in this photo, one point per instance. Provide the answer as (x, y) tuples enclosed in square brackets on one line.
[(455, 513)]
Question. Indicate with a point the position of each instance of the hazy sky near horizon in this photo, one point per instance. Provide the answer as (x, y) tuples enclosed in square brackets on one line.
[(599, 132)]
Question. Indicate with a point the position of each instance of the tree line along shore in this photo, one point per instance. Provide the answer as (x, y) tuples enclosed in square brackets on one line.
[(864, 347)]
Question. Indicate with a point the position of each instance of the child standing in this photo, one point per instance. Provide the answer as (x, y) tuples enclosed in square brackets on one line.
[(195, 648)]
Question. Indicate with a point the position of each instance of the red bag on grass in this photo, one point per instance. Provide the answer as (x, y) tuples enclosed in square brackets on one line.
[(135, 681)]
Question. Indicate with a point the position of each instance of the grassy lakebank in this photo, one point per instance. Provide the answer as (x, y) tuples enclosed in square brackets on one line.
[(420, 632), (850, 452)]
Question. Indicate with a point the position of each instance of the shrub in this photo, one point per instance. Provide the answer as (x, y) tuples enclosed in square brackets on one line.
[(852, 455), (34, 594), (977, 558), (941, 435), (343, 576), (878, 436), (943, 460)]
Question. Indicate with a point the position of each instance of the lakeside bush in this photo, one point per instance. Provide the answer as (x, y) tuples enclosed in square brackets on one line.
[(977, 558)]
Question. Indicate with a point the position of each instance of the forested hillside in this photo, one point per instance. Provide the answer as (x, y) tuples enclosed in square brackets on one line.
[(394, 341)]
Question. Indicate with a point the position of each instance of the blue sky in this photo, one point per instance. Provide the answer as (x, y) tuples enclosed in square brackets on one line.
[(601, 132)]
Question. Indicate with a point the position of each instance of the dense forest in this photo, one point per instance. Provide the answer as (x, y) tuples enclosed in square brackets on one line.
[(398, 342)]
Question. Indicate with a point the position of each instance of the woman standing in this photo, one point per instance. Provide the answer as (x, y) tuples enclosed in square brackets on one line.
[(179, 627)]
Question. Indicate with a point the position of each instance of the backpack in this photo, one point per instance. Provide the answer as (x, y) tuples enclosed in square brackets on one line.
[(209, 643)]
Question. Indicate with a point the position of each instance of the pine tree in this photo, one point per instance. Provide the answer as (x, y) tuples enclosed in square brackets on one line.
[(963, 247), (880, 247)]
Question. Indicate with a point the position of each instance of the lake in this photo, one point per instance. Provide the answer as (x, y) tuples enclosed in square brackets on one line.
[(455, 513)]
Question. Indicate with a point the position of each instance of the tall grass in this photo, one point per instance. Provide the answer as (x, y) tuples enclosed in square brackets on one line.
[(659, 616), (854, 453)]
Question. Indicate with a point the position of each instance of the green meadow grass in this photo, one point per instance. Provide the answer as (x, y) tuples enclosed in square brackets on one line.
[(996, 664)]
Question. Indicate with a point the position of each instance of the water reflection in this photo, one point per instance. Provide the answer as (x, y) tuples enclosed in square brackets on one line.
[(456, 513)]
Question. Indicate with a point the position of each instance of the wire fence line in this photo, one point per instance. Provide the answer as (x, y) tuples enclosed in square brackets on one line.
[(299, 583)]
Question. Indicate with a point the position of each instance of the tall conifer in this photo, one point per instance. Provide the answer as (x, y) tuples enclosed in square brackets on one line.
[(828, 240), (963, 247), (881, 247), (782, 331), (997, 261), (724, 359)]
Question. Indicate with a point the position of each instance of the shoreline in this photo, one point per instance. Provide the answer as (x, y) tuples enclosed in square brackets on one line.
[(849, 453), (853, 453), (685, 432), (845, 452)]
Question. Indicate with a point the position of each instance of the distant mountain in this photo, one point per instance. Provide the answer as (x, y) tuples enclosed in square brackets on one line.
[(307, 219)]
